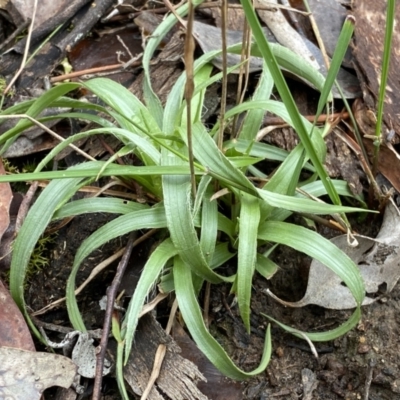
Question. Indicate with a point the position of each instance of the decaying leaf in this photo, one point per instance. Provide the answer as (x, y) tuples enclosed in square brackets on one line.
[(378, 260), (26, 374), (5, 201), (13, 329), (329, 16), (284, 33), (47, 10)]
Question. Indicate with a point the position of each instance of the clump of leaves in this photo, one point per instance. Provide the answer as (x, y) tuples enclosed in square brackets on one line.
[(200, 237)]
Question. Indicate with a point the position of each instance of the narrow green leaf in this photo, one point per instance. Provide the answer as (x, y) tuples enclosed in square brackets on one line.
[(287, 98), (177, 203), (327, 335), (205, 342), (151, 99), (303, 205), (148, 279), (98, 204), (143, 219), (265, 266), (247, 253), (221, 256), (316, 246), (44, 101), (127, 109), (39, 216), (253, 119), (337, 59), (217, 165), (112, 170), (201, 190), (209, 225)]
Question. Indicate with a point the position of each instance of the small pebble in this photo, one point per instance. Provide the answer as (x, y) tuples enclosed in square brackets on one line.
[(363, 348)]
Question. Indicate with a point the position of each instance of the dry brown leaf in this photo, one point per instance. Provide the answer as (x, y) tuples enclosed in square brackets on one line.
[(5, 201), (329, 16), (22, 10), (284, 33), (13, 329), (378, 260)]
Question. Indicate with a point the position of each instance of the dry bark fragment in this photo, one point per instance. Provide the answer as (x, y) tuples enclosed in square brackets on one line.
[(178, 376)]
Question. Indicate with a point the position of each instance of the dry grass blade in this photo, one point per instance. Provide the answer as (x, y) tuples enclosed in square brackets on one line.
[(189, 89), (243, 73), (26, 51), (224, 12), (48, 130)]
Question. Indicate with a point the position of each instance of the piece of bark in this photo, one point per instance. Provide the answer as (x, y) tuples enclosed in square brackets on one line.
[(178, 376), (53, 52), (49, 15), (235, 21), (218, 386)]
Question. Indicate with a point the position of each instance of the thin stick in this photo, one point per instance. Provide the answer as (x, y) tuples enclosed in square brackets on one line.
[(111, 295), (24, 207), (317, 34), (212, 4), (368, 379), (224, 13), (89, 71), (49, 131), (189, 89), (26, 51)]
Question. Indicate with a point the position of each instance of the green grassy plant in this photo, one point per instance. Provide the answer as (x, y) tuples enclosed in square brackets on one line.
[(200, 237), (390, 20)]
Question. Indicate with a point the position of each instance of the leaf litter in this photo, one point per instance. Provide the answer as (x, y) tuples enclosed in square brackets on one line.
[(378, 260)]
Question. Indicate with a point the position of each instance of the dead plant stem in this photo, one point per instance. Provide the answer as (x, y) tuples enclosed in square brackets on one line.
[(26, 50), (111, 295), (189, 89)]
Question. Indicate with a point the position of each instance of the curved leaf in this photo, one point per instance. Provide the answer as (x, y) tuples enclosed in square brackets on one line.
[(247, 254), (39, 216), (177, 203), (143, 219), (205, 342), (316, 246), (148, 279)]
